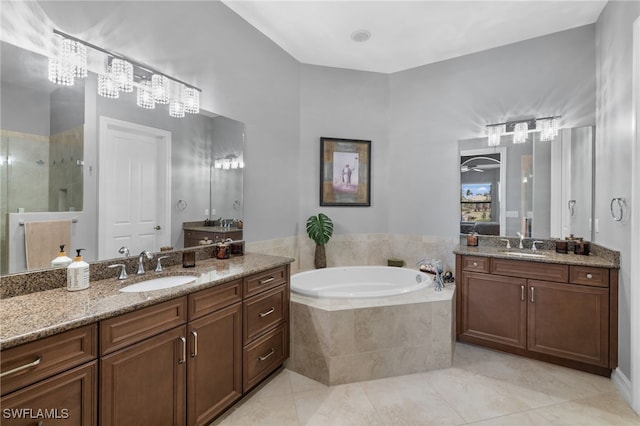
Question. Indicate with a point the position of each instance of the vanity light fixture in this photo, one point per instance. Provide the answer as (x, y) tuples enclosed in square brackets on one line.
[(122, 74), (547, 126), (521, 132)]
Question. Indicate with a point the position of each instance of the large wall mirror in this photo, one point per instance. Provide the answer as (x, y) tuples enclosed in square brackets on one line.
[(50, 165), (542, 189)]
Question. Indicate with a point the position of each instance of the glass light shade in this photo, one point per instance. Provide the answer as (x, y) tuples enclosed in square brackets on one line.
[(122, 73), (107, 87), (144, 97), (160, 88), (494, 133), (548, 128), (191, 99), (74, 55), (59, 73), (521, 132), (176, 109)]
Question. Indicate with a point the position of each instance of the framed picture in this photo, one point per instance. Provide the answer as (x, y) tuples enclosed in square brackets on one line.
[(475, 202), (345, 172)]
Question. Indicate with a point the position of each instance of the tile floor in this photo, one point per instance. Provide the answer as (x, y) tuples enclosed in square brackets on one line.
[(483, 387)]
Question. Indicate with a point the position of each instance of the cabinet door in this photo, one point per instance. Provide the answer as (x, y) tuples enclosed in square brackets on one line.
[(214, 369), (493, 310), (145, 383), (569, 321), (69, 398)]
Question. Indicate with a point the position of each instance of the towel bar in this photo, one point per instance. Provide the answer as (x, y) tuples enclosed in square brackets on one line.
[(74, 220)]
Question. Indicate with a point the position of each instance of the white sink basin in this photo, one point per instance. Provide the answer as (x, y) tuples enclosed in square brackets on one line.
[(159, 283), (521, 254)]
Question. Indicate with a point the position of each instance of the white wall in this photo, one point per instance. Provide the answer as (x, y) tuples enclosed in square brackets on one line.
[(614, 144)]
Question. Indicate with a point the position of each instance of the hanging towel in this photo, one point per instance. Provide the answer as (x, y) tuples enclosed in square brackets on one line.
[(42, 241)]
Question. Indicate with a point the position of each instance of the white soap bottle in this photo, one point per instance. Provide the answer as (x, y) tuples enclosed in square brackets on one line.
[(78, 274), (62, 259)]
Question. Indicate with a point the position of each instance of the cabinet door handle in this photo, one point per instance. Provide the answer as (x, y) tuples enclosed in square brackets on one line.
[(264, 357), (266, 281), (475, 263), (269, 312), (532, 296), (589, 276), (522, 293), (184, 350), (194, 353), (22, 367)]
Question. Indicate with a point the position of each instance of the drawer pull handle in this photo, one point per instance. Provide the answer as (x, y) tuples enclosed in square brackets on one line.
[(195, 344), (184, 350), (269, 312), (475, 263), (532, 296), (522, 293), (266, 281), (589, 276), (264, 357), (22, 367)]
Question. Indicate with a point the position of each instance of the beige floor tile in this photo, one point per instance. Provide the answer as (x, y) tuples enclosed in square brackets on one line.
[(608, 409), (409, 400), (343, 405), (263, 410), (300, 383), (477, 397), (527, 418)]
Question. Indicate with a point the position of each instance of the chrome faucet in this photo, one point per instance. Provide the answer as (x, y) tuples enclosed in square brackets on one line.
[(141, 261), (507, 241), (159, 265), (521, 238), (437, 267), (533, 245), (123, 270)]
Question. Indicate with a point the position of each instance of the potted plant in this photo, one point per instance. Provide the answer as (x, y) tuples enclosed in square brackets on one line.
[(320, 230)]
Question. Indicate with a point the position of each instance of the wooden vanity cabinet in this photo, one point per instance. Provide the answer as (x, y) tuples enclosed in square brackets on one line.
[(557, 313), (193, 238), (53, 380)]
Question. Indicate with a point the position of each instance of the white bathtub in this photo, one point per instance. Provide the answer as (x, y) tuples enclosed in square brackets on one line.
[(358, 282)]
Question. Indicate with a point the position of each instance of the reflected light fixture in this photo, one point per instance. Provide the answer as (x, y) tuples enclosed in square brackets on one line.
[(121, 74), (548, 128)]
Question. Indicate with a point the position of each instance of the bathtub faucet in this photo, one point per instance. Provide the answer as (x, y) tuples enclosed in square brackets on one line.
[(437, 268)]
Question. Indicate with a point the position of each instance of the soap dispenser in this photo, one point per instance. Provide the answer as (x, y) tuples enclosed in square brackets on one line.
[(62, 259), (78, 273)]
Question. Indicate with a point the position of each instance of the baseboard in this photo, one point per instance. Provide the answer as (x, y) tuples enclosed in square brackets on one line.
[(623, 384)]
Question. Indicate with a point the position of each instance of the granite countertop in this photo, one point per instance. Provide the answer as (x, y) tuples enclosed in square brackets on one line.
[(32, 316), (210, 228), (602, 258)]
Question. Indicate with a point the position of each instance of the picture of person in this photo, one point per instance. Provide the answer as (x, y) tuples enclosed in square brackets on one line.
[(345, 172)]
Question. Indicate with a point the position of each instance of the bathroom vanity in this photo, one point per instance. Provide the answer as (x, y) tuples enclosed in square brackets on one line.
[(176, 356), (559, 308), (194, 232)]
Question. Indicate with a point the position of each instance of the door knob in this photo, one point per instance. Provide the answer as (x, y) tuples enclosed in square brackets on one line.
[(158, 227)]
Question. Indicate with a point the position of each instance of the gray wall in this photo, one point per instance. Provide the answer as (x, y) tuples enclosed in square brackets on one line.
[(614, 142), (344, 104)]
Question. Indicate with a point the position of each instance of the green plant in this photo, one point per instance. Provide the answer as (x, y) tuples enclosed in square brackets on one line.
[(320, 230)]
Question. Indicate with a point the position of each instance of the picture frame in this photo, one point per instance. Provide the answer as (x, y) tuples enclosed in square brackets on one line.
[(345, 172)]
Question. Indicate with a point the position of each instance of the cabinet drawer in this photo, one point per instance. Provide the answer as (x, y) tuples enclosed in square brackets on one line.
[(123, 330), (263, 356), (206, 301), (475, 264), (264, 280), (526, 269), (70, 398), (46, 357), (199, 235), (264, 312), (585, 275)]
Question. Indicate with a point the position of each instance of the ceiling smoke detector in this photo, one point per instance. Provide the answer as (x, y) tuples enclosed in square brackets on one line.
[(360, 36)]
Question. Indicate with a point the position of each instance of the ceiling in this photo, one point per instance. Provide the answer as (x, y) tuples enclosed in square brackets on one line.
[(406, 34)]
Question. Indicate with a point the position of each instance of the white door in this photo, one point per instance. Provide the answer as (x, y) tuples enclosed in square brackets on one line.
[(134, 188)]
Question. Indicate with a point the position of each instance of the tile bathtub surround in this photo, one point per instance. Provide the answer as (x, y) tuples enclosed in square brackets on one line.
[(482, 387), (337, 341)]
